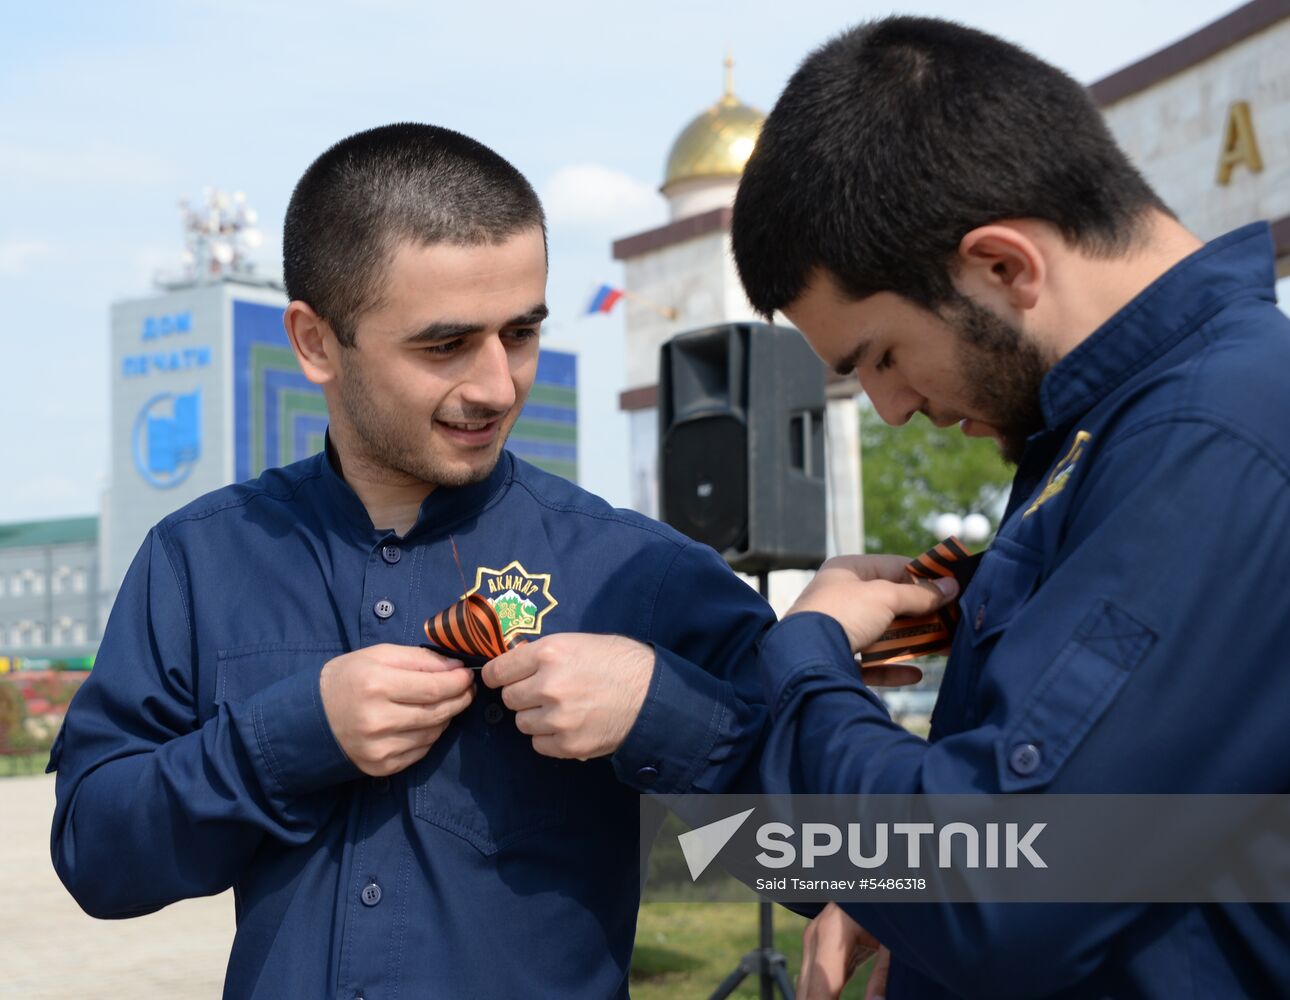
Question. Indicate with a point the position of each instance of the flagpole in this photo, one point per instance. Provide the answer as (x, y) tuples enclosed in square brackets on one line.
[(667, 312)]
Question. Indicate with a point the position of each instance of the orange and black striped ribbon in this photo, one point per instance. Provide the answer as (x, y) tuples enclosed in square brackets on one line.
[(923, 635), (468, 630)]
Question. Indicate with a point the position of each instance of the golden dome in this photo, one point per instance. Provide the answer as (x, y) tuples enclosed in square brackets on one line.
[(718, 142)]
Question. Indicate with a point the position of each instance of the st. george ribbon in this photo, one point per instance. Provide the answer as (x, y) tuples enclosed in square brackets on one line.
[(923, 635), (468, 630)]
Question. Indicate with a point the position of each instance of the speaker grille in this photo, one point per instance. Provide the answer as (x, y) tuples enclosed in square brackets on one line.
[(705, 496)]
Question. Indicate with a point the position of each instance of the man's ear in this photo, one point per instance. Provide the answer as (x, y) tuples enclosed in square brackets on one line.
[(1000, 263), (313, 341)]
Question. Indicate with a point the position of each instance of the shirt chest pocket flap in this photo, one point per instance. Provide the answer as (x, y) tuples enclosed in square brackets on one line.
[(1073, 693), (483, 782), (243, 671)]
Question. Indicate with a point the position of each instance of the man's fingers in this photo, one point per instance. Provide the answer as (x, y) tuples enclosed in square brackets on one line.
[(551, 746), (408, 718), (877, 988), (514, 665), (878, 567), (415, 687), (808, 979), (920, 597), (535, 722), (522, 694), (405, 760), (832, 946), (410, 657), (417, 745)]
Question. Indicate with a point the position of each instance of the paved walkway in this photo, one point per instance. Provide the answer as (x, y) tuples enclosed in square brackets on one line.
[(50, 950)]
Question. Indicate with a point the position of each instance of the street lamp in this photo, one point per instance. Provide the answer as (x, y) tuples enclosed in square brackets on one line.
[(972, 528)]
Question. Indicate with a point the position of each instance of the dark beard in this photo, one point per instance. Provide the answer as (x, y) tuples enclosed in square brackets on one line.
[(1002, 371)]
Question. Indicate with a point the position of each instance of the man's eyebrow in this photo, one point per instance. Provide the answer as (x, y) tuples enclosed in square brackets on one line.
[(531, 318), (449, 330), (444, 331), (848, 364)]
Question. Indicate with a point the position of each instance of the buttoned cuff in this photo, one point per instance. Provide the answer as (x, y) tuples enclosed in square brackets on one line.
[(801, 646), (293, 746), (685, 713)]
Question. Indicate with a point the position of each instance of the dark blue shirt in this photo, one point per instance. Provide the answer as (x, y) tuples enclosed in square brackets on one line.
[(1126, 632), (197, 755)]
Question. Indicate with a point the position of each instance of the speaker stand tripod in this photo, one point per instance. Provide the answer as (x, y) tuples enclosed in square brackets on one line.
[(764, 962)]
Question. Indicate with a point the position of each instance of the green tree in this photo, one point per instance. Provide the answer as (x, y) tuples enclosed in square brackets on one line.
[(915, 472)]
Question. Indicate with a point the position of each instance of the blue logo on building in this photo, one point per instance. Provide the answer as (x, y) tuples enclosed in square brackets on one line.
[(168, 438)]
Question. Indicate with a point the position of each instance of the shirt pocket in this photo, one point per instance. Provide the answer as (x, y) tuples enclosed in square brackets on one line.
[(483, 781), (1005, 580), (243, 671), (1071, 696), (1003, 583)]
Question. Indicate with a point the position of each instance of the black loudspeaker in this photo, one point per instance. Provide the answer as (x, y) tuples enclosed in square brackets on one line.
[(741, 444)]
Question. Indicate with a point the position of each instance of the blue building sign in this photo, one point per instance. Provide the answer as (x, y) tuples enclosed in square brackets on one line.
[(155, 327), (162, 357), (166, 361), (167, 438)]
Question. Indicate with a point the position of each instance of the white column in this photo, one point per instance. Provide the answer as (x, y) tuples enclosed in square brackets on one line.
[(845, 506), (643, 460)]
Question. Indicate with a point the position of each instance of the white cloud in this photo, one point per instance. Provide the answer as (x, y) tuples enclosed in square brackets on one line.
[(15, 255), (591, 196)]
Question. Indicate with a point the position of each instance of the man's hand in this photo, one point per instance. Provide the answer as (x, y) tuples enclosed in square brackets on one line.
[(576, 694), (833, 946), (865, 594), (387, 704), (877, 988)]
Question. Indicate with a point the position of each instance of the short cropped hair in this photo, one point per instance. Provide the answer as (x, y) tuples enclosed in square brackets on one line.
[(894, 140), (377, 189)]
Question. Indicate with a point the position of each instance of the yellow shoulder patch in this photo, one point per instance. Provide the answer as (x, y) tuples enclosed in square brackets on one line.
[(1061, 473)]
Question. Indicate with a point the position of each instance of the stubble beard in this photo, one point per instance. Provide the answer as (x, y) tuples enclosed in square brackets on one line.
[(391, 442), (1003, 372)]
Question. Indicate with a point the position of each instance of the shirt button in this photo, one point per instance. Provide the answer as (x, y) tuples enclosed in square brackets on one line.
[(383, 608), (647, 775), (493, 713), (371, 894), (1025, 759), (391, 554)]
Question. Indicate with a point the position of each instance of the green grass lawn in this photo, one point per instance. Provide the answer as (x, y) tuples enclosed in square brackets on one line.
[(683, 950), (18, 765)]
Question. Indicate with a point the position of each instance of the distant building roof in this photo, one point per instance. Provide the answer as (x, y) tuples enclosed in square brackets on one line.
[(58, 531)]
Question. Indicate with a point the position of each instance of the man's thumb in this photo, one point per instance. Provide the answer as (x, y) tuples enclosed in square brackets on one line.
[(948, 586), (923, 596)]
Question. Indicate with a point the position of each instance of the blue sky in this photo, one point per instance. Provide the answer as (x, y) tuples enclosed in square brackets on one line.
[(109, 113)]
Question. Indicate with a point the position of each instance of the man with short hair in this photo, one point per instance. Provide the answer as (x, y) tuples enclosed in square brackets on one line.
[(261, 714), (948, 217)]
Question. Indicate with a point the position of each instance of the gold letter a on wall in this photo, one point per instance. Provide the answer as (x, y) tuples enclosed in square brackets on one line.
[(1239, 144)]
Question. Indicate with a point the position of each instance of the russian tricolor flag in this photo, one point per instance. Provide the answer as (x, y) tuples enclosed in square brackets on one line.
[(604, 300)]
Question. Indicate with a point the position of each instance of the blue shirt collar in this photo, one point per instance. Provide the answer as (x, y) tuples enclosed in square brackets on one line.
[(1160, 317), (442, 510)]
